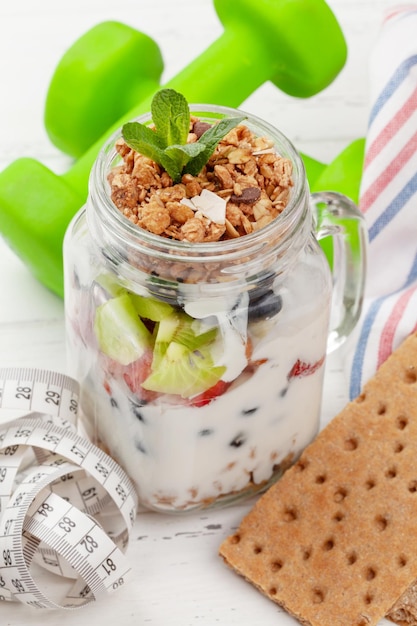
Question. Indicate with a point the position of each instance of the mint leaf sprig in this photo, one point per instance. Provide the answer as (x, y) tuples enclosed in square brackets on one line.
[(166, 144)]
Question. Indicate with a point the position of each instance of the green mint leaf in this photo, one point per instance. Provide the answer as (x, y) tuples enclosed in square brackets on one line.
[(143, 139), (171, 116), (171, 166), (210, 139), (167, 143), (182, 154)]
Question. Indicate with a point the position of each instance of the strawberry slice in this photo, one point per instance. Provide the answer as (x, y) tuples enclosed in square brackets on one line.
[(210, 394), (301, 368), (135, 373)]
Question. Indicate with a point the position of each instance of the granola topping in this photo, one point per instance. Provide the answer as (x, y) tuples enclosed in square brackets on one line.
[(243, 187), (209, 205)]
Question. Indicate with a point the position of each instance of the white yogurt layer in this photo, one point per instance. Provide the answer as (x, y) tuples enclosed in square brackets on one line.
[(181, 457)]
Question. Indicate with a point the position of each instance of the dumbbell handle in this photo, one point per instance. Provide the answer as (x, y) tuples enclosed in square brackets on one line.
[(107, 71), (192, 82)]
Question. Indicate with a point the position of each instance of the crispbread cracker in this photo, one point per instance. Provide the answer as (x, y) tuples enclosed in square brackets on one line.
[(335, 540), (404, 611)]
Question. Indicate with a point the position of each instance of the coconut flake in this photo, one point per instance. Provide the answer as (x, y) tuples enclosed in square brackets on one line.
[(208, 204)]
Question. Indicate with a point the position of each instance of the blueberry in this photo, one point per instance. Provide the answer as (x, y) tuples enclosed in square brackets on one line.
[(136, 410), (238, 441), (205, 432), (250, 411), (140, 447), (264, 307)]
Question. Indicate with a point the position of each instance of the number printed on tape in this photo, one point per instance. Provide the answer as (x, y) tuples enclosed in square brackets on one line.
[(54, 492)]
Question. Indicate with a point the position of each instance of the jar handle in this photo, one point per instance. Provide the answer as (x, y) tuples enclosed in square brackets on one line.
[(342, 232)]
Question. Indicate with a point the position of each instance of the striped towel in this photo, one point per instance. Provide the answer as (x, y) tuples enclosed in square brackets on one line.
[(388, 199)]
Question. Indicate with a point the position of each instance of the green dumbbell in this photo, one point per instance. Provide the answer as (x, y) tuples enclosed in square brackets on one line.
[(298, 45), (103, 75), (112, 66), (344, 174)]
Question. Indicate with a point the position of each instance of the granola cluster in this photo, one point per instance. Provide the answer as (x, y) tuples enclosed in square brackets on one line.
[(244, 171)]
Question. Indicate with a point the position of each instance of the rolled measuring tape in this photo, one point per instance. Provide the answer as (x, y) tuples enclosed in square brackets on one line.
[(66, 507)]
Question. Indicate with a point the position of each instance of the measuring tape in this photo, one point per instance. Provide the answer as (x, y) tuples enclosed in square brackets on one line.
[(65, 506)]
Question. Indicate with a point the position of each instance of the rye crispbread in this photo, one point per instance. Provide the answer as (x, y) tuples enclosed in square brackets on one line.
[(335, 540)]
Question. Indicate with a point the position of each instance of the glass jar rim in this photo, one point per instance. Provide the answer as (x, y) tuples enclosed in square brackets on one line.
[(133, 235)]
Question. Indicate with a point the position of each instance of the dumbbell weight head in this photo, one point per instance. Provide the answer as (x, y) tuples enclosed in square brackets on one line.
[(301, 41), (100, 77), (343, 174), (35, 207), (296, 44)]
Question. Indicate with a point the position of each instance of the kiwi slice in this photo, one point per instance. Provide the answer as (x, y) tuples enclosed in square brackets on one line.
[(150, 308), (167, 328), (183, 329), (120, 332), (183, 371)]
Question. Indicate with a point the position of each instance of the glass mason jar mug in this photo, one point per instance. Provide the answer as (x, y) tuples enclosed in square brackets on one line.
[(233, 335)]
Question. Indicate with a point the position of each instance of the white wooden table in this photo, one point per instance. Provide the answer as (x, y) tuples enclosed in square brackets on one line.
[(178, 577)]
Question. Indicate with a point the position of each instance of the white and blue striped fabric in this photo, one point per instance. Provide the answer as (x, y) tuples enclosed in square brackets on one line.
[(388, 199)]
